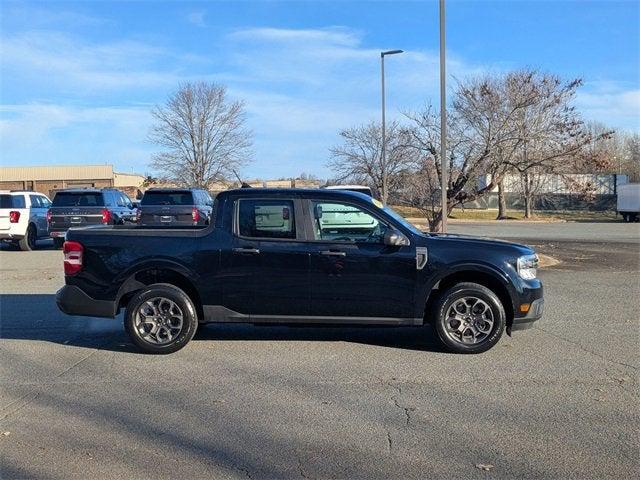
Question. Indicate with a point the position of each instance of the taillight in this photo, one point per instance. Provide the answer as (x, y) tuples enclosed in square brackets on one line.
[(195, 215), (72, 257), (14, 217), (106, 216), (49, 216)]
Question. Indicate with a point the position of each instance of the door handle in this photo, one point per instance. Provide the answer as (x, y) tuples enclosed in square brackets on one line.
[(246, 250), (333, 253)]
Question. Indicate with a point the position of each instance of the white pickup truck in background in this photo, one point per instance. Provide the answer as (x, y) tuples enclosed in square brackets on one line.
[(629, 202)]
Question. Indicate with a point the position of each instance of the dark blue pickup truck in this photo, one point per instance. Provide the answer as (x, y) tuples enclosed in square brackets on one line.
[(289, 256)]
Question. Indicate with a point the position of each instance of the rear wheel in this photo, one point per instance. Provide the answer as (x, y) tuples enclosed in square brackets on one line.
[(28, 242), (161, 319), (469, 318)]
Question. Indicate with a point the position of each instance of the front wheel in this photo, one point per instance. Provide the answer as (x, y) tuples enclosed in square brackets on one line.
[(161, 319), (469, 318)]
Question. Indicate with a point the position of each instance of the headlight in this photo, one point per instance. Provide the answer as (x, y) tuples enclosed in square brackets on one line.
[(527, 266)]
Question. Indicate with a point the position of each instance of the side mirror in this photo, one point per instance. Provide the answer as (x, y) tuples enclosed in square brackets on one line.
[(317, 212), (394, 238)]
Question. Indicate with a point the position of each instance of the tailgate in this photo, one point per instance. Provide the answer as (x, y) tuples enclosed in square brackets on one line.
[(4, 218), (63, 218), (166, 215)]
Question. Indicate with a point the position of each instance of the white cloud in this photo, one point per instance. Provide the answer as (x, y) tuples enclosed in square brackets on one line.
[(611, 103), (50, 133), (71, 64)]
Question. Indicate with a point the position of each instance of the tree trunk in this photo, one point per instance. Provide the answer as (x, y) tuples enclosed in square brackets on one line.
[(528, 196), (502, 202)]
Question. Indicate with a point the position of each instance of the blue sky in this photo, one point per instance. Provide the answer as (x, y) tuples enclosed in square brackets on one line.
[(78, 78)]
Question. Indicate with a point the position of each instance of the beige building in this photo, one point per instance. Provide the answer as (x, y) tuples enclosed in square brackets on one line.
[(49, 179)]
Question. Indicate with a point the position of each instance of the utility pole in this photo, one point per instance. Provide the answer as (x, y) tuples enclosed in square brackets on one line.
[(443, 121), (384, 127)]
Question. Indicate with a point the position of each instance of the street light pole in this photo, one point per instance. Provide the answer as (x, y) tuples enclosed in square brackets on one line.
[(443, 120), (384, 126)]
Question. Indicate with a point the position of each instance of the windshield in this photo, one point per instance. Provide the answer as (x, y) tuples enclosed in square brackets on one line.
[(78, 199), (167, 198), (400, 219)]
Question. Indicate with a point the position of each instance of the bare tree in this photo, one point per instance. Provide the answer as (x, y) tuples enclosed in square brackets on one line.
[(359, 157), (550, 131), (203, 135), (481, 137)]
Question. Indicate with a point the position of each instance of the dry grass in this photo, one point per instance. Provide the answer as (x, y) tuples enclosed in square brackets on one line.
[(487, 215)]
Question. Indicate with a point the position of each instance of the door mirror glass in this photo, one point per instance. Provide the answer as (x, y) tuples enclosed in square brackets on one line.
[(394, 238), (317, 212)]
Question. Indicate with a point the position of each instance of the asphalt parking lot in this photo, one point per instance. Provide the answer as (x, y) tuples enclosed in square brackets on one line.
[(560, 400)]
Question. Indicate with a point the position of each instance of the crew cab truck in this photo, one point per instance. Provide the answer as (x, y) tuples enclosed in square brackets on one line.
[(289, 256)]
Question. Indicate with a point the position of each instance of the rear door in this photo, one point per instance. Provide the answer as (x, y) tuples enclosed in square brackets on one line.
[(265, 273), (167, 207), (76, 209), (38, 214)]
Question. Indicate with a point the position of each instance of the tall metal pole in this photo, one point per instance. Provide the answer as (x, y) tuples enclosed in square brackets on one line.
[(384, 128), (443, 121)]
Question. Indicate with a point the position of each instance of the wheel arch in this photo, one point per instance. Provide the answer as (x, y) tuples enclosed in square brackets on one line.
[(486, 277), (150, 274)]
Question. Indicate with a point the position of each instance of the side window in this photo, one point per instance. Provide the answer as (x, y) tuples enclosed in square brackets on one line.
[(343, 222), (126, 200), (45, 202), (35, 201), (18, 201), (119, 199), (266, 219)]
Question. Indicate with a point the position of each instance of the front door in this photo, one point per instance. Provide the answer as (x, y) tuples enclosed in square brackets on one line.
[(353, 273), (266, 270)]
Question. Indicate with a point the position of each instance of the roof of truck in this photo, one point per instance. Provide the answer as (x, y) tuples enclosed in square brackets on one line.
[(297, 192)]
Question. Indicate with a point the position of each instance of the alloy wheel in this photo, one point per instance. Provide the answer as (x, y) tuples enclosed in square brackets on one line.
[(159, 320)]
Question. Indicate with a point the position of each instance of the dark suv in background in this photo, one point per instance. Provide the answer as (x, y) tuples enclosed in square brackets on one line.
[(175, 207), (88, 206)]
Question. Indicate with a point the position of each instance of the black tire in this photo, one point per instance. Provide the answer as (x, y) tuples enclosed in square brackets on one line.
[(58, 243), (626, 218), (446, 302), (28, 242), (173, 294)]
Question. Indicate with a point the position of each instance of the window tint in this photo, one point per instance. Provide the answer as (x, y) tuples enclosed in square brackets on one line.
[(266, 219), (126, 200), (35, 201), (343, 222), (12, 201), (78, 199), (119, 199), (45, 202), (167, 198)]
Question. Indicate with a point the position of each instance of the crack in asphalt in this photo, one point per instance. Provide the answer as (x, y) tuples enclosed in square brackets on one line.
[(303, 474), (580, 347)]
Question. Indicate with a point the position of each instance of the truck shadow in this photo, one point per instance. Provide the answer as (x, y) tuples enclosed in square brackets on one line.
[(36, 317)]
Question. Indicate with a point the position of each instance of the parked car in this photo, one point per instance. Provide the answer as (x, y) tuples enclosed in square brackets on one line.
[(81, 207), (23, 217), (352, 188), (175, 207), (271, 256), (628, 202)]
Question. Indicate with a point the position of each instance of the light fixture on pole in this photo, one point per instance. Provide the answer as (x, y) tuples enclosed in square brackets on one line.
[(443, 121), (384, 132)]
